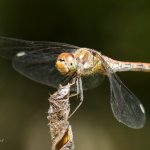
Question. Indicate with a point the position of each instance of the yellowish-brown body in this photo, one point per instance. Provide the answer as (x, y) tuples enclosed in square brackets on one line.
[(83, 62), (86, 62)]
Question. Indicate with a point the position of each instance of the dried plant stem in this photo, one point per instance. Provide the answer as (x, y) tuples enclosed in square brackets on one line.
[(58, 113)]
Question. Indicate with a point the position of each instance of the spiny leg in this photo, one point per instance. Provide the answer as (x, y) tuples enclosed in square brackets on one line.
[(75, 81), (80, 93)]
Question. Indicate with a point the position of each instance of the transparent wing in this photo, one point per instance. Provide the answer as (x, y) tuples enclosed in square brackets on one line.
[(126, 107), (35, 59), (92, 81), (40, 66), (9, 47)]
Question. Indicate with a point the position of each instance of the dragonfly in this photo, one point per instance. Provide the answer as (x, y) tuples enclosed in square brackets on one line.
[(53, 63)]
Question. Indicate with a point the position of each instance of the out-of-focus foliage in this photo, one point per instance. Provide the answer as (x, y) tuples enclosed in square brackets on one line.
[(119, 29)]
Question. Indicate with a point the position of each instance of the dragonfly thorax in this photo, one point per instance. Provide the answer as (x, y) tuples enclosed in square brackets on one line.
[(88, 62)]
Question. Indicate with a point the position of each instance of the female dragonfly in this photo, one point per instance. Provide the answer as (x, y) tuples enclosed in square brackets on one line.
[(53, 63)]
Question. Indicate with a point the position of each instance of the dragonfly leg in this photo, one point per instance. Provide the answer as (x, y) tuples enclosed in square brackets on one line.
[(75, 81), (80, 93), (74, 94)]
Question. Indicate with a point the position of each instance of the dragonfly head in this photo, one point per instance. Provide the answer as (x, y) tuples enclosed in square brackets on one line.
[(66, 64)]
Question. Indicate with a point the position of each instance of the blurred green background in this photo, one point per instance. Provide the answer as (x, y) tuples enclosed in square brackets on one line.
[(120, 29)]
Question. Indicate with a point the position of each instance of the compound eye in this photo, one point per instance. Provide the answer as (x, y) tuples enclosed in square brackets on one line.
[(61, 63)]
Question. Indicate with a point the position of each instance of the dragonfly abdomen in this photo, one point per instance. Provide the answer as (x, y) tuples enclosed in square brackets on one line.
[(132, 66), (119, 66)]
